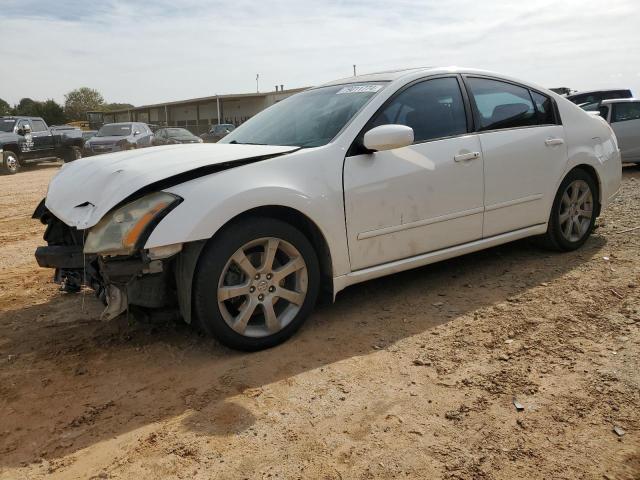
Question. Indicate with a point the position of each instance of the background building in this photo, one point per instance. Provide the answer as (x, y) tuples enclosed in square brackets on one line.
[(198, 114)]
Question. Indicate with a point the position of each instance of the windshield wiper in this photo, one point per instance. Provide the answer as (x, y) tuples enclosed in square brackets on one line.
[(235, 142)]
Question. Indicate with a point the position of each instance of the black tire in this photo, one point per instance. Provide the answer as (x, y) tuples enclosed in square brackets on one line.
[(214, 258), (10, 163), (554, 238), (71, 153)]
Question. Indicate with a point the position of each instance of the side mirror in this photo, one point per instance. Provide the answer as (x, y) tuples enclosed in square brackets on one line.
[(388, 137), (136, 133)]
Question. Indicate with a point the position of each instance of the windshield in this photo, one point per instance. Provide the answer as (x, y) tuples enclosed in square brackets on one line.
[(308, 119), (6, 124), (178, 132), (114, 130)]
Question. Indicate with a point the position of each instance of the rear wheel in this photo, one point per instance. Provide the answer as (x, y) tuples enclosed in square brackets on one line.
[(574, 212), (255, 284), (10, 163)]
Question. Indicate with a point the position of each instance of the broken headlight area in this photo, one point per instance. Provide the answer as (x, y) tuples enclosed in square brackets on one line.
[(124, 230), (109, 257)]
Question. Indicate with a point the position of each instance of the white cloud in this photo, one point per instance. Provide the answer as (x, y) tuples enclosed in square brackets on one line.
[(167, 50)]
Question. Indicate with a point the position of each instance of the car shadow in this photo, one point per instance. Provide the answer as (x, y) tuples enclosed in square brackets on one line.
[(69, 381)]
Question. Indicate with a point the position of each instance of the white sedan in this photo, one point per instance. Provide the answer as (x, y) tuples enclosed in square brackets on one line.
[(339, 184)]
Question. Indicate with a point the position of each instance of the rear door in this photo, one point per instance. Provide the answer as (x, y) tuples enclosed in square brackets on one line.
[(625, 122), (42, 138), (524, 152)]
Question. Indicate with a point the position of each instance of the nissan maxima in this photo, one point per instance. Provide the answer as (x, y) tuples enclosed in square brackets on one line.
[(339, 184)]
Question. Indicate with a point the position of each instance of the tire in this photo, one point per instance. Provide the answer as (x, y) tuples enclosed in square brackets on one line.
[(10, 163), (72, 153), (218, 270), (579, 230)]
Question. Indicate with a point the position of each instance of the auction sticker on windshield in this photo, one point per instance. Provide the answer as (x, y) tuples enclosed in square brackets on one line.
[(359, 89)]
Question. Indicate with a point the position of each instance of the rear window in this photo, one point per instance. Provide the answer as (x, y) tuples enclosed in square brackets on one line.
[(597, 97)]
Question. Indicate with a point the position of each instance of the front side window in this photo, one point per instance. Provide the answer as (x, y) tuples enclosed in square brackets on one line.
[(22, 124), (501, 105), (433, 109), (308, 119), (623, 112)]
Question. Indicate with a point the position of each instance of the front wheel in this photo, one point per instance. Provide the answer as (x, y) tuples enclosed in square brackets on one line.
[(255, 284), (10, 163), (574, 212), (72, 153)]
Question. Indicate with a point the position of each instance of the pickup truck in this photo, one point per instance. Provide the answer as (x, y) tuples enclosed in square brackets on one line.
[(25, 140)]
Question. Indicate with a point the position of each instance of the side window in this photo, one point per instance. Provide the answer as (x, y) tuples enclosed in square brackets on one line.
[(38, 126), (624, 111), (501, 105), (544, 109), (22, 123), (433, 108)]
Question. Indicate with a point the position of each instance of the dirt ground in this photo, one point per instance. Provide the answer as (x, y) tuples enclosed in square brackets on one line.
[(410, 376)]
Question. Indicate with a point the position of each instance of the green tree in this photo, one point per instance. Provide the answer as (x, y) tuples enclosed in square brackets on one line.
[(27, 106), (109, 107), (5, 108), (51, 111), (80, 101)]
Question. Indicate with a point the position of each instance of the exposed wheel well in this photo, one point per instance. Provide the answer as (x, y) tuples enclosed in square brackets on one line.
[(12, 148), (589, 170), (311, 231)]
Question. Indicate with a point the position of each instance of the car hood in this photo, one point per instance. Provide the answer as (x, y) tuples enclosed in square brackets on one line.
[(6, 136), (83, 191)]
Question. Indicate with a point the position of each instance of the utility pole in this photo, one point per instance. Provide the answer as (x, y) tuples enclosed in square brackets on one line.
[(354, 70), (257, 84)]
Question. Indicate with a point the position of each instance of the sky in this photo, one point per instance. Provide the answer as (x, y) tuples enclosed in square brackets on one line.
[(164, 50)]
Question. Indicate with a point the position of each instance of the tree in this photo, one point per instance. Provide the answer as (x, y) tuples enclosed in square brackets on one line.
[(5, 108), (109, 107), (80, 101), (51, 111), (26, 106)]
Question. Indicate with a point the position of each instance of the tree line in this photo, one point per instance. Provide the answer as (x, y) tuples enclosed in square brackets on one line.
[(76, 104)]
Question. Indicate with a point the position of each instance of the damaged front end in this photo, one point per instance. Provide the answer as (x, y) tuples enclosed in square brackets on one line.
[(110, 257)]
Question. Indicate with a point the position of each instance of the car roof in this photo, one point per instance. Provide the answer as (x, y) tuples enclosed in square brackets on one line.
[(618, 100), (392, 75), (600, 90)]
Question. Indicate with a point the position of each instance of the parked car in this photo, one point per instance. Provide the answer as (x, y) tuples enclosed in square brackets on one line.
[(217, 132), (114, 137), (173, 135), (624, 116), (598, 95), (356, 179), (25, 140)]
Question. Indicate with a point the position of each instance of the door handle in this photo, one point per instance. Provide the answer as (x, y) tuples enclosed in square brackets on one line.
[(463, 157), (550, 142)]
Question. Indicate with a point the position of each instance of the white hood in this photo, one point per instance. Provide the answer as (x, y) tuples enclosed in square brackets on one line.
[(83, 191)]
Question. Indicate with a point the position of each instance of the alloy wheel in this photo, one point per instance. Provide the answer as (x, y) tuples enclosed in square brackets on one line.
[(576, 210), (12, 162), (262, 287)]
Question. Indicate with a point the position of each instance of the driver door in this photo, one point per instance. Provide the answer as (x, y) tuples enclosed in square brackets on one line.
[(428, 196)]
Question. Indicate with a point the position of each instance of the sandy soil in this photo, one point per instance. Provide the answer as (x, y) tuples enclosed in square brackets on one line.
[(411, 376)]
